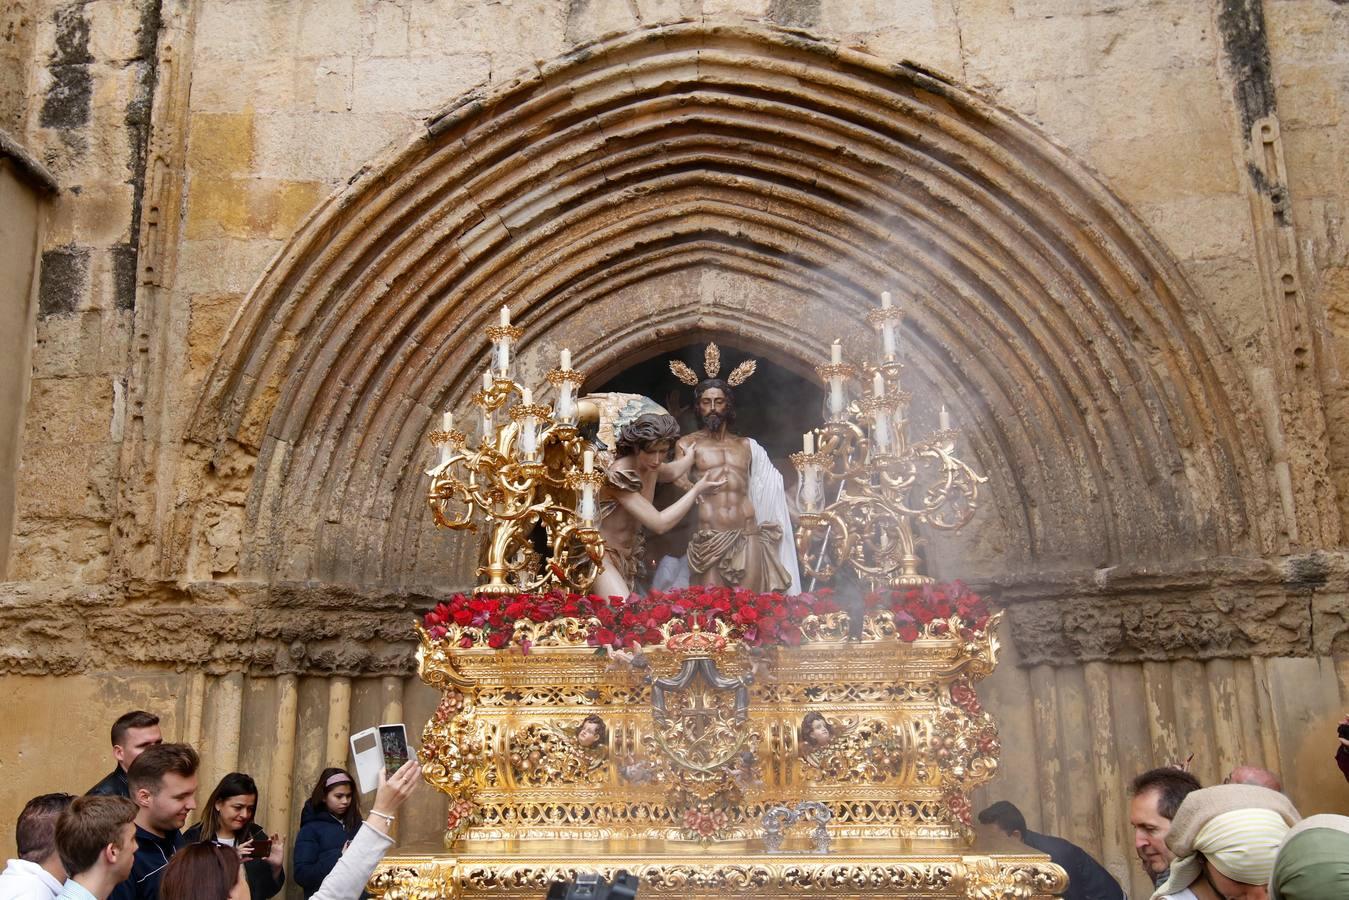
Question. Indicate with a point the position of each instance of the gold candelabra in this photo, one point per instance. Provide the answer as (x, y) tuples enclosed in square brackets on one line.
[(882, 485), (531, 479)]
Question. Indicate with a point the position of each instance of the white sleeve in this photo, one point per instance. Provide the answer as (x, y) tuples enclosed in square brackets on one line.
[(353, 870)]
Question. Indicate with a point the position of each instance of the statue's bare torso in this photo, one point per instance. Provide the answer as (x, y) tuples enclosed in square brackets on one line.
[(722, 456)]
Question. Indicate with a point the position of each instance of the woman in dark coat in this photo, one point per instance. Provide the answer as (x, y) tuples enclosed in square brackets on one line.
[(331, 818), (227, 819)]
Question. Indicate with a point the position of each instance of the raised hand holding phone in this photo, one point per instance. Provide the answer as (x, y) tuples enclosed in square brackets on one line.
[(392, 793)]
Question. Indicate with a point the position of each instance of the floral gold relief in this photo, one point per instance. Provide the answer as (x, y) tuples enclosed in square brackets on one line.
[(559, 758)]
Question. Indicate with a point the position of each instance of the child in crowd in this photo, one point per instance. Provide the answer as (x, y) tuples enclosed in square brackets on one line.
[(227, 819), (330, 819)]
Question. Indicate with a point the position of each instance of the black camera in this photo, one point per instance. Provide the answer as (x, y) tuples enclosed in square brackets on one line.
[(590, 886)]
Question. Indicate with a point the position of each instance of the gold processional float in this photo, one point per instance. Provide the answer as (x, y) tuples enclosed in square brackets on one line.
[(755, 745)]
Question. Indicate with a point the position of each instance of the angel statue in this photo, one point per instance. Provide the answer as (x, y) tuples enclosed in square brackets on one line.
[(641, 436), (744, 535)]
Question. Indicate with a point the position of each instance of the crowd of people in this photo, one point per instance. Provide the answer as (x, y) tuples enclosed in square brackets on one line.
[(1240, 840), (128, 837)]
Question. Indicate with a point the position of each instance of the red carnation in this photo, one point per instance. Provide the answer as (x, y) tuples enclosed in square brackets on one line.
[(462, 616), (498, 639), (605, 637)]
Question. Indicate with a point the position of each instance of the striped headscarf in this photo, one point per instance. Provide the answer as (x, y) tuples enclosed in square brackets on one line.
[(1237, 827)]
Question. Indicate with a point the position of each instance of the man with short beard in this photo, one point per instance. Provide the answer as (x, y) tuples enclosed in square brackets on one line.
[(734, 545), (1156, 795)]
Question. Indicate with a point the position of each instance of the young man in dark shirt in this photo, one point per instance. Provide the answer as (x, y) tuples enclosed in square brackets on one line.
[(163, 783), (132, 733), (1087, 879)]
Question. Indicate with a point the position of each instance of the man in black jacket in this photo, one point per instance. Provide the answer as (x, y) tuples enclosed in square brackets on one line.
[(164, 787), (131, 734), (1087, 879)]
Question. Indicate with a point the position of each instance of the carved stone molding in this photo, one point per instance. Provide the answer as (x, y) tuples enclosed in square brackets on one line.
[(1218, 608), (1210, 609)]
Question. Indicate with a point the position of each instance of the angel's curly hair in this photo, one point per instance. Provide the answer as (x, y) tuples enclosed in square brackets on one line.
[(645, 430)]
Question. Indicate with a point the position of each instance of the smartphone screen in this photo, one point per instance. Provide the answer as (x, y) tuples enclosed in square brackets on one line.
[(262, 848), (393, 740)]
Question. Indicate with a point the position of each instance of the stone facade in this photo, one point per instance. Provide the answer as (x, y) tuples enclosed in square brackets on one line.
[(1117, 229)]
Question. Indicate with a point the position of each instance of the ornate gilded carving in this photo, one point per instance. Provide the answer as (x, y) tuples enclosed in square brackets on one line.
[(548, 754), (703, 741), (849, 750), (974, 877)]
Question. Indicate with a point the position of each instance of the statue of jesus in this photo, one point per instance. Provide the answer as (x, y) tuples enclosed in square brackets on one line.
[(744, 533)]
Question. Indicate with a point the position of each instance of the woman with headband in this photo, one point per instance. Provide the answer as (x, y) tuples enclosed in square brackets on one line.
[(331, 818)]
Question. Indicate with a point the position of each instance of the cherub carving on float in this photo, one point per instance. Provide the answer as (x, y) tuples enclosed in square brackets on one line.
[(849, 750), (815, 735), (641, 447), (744, 536), (593, 735), (558, 754)]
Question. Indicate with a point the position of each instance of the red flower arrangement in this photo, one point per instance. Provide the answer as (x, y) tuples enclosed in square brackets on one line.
[(758, 620)]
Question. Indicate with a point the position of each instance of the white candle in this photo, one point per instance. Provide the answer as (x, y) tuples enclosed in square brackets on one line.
[(808, 442), (836, 352), (566, 406), (529, 434), (880, 431), (888, 339), (944, 419), (503, 356), (505, 317), (487, 381), (877, 385), (885, 299), (527, 397), (566, 361), (446, 421), (588, 462), (586, 512), (836, 397), (810, 489)]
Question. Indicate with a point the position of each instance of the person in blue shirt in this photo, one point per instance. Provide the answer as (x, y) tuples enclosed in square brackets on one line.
[(330, 819), (96, 839), (1087, 879)]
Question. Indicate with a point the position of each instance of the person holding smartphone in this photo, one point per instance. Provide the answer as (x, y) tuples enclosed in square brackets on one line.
[(227, 819)]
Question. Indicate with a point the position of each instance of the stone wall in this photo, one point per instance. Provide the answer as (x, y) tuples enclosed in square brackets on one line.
[(1117, 230)]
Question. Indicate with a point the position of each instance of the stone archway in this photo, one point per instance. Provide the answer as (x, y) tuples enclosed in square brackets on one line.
[(763, 185)]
